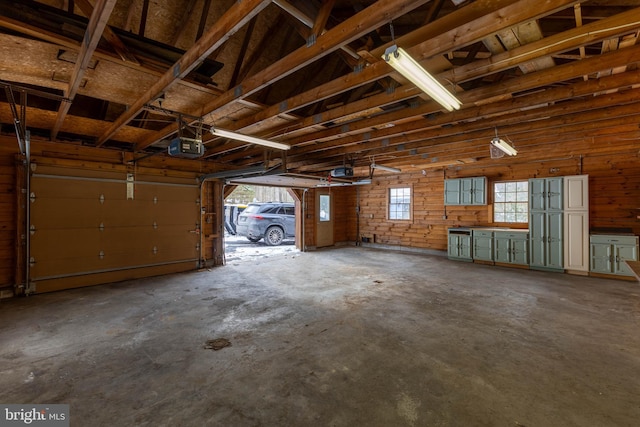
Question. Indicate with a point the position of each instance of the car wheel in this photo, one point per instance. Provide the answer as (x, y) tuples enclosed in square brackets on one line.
[(274, 236)]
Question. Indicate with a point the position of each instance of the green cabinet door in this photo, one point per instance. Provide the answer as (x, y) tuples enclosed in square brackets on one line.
[(482, 245), (555, 201), (622, 253), (459, 247), (479, 195), (537, 194), (555, 240), (537, 239), (451, 191), (511, 247), (601, 258), (502, 248), (466, 191), (520, 250)]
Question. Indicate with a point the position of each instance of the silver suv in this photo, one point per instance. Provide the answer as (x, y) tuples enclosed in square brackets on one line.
[(273, 221)]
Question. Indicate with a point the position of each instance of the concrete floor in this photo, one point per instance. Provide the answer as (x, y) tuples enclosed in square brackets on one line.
[(340, 337)]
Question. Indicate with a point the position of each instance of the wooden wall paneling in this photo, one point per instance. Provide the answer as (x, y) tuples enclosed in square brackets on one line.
[(614, 196), (8, 224), (309, 210), (344, 213), (212, 221)]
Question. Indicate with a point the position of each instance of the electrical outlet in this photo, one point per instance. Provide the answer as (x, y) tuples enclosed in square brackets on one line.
[(444, 217)]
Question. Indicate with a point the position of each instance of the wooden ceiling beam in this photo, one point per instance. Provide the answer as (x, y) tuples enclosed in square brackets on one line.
[(522, 103), (505, 121), (503, 89), (234, 19), (530, 81), (323, 16), (347, 31), (479, 20), (97, 24), (588, 34), (111, 37), (71, 44), (243, 52), (453, 148)]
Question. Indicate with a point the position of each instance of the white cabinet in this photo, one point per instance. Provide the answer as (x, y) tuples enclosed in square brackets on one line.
[(576, 193), (465, 191), (576, 223)]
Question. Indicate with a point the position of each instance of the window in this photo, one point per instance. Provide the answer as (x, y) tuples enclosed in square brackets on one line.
[(511, 201), (400, 203), (325, 207)]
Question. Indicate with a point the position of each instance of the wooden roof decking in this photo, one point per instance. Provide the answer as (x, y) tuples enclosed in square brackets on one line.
[(310, 73)]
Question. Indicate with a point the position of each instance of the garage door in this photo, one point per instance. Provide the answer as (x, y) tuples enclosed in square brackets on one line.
[(95, 227)]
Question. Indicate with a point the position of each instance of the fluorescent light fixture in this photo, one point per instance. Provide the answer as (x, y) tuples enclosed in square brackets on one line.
[(385, 168), (504, 146), (412, 71), (247, 138)]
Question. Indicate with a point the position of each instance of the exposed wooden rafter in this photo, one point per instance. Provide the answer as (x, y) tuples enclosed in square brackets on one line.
[(97, 24)]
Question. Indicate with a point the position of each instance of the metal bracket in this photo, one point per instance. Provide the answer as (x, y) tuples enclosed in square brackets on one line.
[(101, 198), (32, 197), (101, 226), (311, 40), (30, 288)]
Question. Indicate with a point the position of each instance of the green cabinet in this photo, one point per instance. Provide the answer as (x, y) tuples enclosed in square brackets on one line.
[(608, 253), (545, 194), (511, 247), (459, 247), (465, 191), (482, 245), (546, 246)]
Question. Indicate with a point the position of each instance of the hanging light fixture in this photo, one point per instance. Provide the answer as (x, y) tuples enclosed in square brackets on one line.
[(247, 138), (385, 168), (503, 145), (412, 71)]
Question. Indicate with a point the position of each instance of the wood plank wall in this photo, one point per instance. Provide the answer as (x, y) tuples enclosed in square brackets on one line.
[(212, 223), (614, 180), (8, 201), (89, 159)]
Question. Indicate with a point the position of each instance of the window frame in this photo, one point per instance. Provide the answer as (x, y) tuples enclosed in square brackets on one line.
[(516, 202), (388, 206)]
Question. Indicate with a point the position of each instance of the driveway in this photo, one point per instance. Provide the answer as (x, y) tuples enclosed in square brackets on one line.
[(238, 248)]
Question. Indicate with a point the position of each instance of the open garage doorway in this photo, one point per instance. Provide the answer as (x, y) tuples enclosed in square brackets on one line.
[(260, 222)]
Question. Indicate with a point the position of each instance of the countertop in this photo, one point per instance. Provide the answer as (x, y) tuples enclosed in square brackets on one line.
[(635, 268)]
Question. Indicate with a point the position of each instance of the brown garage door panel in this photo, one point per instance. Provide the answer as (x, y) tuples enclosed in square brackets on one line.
[(57, 284), (65, 212), (133, 239), (164, 192), (65, 243)]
